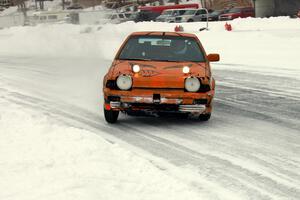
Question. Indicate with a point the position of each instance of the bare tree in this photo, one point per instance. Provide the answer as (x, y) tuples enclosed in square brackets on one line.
[(22, 7), (63, 4), (41, 3)]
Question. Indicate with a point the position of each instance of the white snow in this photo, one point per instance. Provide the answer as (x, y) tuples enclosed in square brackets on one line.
[(43, 159), (48, 5), (54, 143), (279, 36)]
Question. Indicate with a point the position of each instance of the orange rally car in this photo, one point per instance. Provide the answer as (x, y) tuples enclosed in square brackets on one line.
[(160, 72)]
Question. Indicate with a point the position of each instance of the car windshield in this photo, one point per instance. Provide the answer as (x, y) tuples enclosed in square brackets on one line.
[(162, 48), (216, 12), (190, 12), (235, 10)]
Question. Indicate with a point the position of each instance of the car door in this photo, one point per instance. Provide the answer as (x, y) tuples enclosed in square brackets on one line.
[(201, 13)]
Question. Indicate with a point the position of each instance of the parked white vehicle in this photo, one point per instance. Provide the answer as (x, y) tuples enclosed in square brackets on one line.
[(115, 18), (169, 15), (88, 17), (48, 17), (192, 15)]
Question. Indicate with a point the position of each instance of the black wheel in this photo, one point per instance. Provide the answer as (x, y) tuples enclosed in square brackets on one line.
[(111, 116), (190, 20), (204, 117)]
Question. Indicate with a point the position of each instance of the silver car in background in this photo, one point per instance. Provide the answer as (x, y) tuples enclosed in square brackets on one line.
[(192, 15), (115, 18), (169, 15)]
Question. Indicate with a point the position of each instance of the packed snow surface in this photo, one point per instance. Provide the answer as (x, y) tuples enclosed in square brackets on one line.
[(45, 160), (55, 144)]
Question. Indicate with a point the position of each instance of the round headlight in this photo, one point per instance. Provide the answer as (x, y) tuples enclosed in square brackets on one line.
[(185, 69), (192, 84), (136, 68), (124, 82)]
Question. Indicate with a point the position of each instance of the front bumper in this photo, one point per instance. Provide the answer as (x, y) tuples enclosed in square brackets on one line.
[(158, 100)]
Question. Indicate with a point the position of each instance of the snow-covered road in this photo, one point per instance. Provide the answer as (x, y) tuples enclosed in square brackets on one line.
[(248, 150)]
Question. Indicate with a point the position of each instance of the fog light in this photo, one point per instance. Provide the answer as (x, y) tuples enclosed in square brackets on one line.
[(186, 69), (136, 68)]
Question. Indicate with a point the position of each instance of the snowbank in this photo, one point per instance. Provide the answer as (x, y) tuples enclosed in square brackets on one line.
[(254, 42), (41, 159), (9, 11)]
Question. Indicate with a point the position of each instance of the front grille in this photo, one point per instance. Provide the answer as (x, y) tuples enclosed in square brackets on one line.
[(159, 89), (200, 101), (154, 107)]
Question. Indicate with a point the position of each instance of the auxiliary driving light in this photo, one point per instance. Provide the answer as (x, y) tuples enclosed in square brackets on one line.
[(136, 68), (186, 69)]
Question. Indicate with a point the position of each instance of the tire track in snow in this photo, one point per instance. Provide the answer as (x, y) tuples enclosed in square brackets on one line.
[(233, 179), (132, 137)]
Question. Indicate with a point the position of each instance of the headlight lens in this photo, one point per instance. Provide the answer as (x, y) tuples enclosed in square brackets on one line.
[(192, 84), (124, 82)]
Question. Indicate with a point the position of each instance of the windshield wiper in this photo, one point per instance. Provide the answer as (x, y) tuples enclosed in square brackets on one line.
[(144, 59)]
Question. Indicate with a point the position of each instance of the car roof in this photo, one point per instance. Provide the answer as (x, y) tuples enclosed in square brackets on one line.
[(174, 9), (179, 34)]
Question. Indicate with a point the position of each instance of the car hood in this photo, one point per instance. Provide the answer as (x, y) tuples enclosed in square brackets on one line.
[(229, 14), (157, 74), (212, 15), (163, 16)]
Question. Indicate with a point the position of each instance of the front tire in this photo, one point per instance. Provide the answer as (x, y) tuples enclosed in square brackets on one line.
[(190, 20), (111, 116), (204, 117)]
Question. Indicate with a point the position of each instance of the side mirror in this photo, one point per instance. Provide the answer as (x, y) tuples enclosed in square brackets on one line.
[(213, 57)]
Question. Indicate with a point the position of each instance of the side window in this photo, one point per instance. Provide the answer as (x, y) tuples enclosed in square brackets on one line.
[(52, 17), (181, 12), (200, 12), (203, 11), (247, 11)]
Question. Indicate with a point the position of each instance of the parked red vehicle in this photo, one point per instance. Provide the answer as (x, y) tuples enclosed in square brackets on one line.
[(160, 9), (150, 13), (237, 12)]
